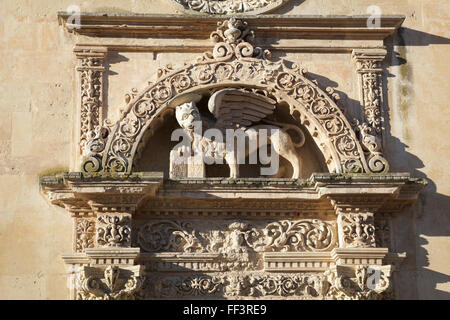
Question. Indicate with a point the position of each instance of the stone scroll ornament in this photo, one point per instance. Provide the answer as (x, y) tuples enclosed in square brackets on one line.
[(113, 284), (238, 109), (233, 62), (228, 6), (238, 245)]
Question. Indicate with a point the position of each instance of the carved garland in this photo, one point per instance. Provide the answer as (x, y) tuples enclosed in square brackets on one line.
[(235, 285), (235, 62)]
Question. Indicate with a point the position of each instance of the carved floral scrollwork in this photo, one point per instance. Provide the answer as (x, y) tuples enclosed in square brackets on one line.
[(358, 230), (91, 76), (366, 283), (115, 284), (85, 234), (313, 235), (229, 6), (238, 285), (382, 233), (372, 145), (372, 94), (113, 230), (369, 67), (168, 236)]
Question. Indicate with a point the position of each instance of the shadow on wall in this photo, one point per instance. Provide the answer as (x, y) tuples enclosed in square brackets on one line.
[(429, 216), (113, 58)]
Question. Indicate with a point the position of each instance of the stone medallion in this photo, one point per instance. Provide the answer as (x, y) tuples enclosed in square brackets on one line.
[(228, 6)]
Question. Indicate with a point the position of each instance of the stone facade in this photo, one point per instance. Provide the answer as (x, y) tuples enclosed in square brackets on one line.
[(89, 211)]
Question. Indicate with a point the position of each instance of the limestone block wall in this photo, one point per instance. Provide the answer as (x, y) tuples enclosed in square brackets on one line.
[(38, 111)]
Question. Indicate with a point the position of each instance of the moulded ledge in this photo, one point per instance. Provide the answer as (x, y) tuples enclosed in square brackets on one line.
[(199, 26)]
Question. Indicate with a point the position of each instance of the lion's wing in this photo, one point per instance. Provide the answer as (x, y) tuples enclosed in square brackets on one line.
[(235, 107)]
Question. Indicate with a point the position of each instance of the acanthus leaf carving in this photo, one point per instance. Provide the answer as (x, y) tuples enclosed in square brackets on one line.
[(115, 284)]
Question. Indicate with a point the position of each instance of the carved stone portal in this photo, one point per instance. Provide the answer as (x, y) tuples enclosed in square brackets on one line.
[(140, 235)]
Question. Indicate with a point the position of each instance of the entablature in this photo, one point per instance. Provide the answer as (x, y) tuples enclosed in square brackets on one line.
[(151, 192)]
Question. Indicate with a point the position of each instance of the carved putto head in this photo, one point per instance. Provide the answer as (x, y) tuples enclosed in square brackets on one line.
[(233, 32), (187, 114)]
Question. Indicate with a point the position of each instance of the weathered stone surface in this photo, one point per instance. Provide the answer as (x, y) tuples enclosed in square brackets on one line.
[(38, 132)]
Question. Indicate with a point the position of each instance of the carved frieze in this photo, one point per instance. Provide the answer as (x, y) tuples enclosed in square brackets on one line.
[(237, 245)]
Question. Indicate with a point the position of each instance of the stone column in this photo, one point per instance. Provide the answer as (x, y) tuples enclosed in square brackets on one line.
[(359, 271), (111, 273), (91, 87), (369, 69)]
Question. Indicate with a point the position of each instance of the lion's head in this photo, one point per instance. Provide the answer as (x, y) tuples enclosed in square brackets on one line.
[(187, 114)]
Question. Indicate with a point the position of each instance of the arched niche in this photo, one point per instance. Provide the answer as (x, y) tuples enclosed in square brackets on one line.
[(234, 62)]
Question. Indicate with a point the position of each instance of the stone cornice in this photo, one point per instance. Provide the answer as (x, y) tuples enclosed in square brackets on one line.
[(195, 26), (83, 193)]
